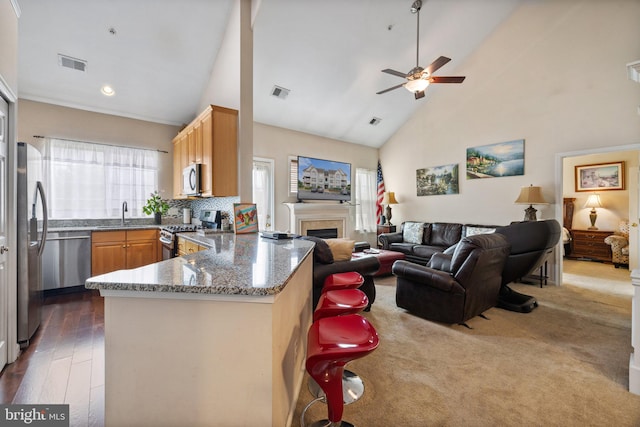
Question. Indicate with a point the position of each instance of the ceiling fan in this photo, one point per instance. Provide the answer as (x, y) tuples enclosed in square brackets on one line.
[(419, 78)]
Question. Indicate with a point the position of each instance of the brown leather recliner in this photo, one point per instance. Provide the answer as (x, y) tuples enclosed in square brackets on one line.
[(455, 288)]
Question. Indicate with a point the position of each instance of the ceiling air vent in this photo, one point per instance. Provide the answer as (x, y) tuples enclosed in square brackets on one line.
[(73, 63), (280, 92), (374, 121)]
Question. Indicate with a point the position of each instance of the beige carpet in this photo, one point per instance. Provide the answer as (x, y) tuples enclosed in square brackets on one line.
[(564, 364)]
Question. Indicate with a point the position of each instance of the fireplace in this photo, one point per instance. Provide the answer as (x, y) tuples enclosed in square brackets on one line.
[(323, 233), (318, 216)]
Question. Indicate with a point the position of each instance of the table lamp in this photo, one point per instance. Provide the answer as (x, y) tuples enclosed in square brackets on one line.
[(593, 202), (530, 196), (389, 199)]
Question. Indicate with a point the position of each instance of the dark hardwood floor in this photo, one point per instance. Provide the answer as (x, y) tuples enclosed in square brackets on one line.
[(65, 361)]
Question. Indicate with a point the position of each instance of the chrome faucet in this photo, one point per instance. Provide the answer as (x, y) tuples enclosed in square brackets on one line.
[(124, 209)]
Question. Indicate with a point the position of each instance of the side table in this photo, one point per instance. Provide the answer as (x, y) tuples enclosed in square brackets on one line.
[(383, 228)]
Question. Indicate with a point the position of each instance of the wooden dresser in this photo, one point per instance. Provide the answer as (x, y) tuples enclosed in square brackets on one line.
[(590, 244)]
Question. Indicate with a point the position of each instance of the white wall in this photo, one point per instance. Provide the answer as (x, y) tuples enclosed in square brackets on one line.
[(9, 45), (553, 74), (278, 144), (616, 203)]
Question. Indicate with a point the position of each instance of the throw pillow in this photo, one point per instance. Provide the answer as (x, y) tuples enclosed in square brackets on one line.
[(341, 249), (472, 231), (412, 232), (322, 252)]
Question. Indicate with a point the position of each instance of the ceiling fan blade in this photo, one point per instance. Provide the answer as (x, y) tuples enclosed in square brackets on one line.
[(419, 95), (450, 79), (390, 89), (394, 72), (435, 65)]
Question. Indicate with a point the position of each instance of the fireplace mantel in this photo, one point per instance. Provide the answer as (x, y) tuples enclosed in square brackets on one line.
[(310, 216)]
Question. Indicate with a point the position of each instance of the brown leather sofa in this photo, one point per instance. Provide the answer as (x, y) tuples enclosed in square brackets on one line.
[(529, 243), (454, 288), (324, 265), (434, 237)]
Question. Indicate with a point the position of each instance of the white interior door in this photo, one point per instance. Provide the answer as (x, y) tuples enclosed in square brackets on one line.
[(263, 195), (634, 187), (4, 114)]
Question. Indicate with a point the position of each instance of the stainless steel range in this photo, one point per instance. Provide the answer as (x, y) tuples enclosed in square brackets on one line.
[(169, 241)]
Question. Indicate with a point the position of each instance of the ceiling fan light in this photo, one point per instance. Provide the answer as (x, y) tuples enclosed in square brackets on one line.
[(418, 85)]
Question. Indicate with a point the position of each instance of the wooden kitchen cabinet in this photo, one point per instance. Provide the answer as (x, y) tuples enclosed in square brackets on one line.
[(186, 247), (590, 244), (122, 249), (212, 140)]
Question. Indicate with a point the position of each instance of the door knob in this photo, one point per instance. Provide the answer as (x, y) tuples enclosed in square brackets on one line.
[(3, 249), (633, 224)]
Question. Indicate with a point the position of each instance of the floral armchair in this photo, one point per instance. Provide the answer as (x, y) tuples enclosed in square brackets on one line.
[(619, 244)]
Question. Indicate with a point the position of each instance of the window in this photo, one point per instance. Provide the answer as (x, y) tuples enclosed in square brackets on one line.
[(366, 193), (86, 180), (293, 176), (263, 191)]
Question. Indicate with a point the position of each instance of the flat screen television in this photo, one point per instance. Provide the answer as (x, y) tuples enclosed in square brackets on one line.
[(323, 179)]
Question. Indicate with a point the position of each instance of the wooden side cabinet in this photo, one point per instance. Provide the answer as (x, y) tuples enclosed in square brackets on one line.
[(186, 247), (590, 244), (122, 249)]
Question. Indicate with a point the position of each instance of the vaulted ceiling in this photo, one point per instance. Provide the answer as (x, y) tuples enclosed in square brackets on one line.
[(158, 57)]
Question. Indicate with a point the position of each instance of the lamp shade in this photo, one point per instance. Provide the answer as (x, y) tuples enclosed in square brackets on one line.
[(389, 198), (531, 196), (593, 201), (417, 85)]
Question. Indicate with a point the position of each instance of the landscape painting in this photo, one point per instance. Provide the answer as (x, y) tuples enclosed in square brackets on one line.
[(437, 180), (496, 160), (600, 177)]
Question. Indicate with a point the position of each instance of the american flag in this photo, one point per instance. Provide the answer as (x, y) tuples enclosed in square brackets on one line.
[(380, 194)]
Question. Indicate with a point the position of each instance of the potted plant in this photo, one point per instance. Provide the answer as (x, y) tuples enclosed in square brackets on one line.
[(156, 206)]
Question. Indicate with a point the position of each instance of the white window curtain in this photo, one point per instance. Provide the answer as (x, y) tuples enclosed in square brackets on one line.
[(366, 190), (85, 180), (263, 191)]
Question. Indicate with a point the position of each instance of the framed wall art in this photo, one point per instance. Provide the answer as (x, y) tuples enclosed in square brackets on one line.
[(437, 180), (245, 218), (600, 177), (496, 160)]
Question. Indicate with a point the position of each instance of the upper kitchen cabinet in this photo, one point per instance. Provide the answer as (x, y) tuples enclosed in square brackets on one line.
[(211, 140)]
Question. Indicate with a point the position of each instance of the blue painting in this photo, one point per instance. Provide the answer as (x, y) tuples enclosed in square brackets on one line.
[(496, 160)]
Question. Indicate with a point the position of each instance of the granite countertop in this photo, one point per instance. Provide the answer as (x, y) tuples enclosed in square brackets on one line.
[(242, 264)]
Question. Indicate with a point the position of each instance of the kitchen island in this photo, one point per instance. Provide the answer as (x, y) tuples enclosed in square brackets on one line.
[(215, 338)]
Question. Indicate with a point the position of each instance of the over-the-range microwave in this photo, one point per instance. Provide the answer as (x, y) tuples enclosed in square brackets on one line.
[(191, 180)]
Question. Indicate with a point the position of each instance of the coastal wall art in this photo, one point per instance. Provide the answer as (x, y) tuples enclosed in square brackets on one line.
[(496, 160), (600, 177), (437, 180)]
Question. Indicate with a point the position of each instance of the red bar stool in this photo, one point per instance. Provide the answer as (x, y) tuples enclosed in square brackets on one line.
[(348, 280), (340, 302), (337, 303), (332, 342)]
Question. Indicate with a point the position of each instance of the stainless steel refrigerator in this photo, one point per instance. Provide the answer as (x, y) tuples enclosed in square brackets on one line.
[(32, 235)]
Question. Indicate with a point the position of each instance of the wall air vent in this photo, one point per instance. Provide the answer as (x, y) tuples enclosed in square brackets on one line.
[(280, 92), (374, 121), (73, 63)]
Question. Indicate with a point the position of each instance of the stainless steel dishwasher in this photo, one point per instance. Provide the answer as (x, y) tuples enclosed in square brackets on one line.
[(66, 261)]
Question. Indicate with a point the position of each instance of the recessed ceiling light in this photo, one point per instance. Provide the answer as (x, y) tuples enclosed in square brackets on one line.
[(107, 90)]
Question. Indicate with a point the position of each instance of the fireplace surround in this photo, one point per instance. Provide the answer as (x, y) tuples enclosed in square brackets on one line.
[(319, 216)]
